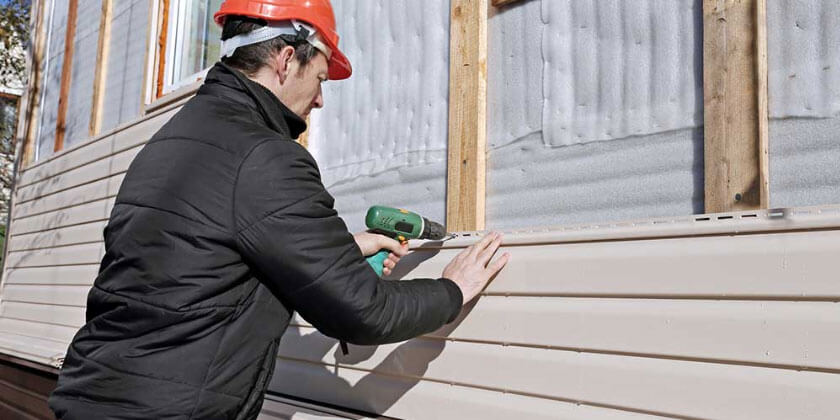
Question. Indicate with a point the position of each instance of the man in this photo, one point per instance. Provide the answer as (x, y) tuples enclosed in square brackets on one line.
[(222, 229)]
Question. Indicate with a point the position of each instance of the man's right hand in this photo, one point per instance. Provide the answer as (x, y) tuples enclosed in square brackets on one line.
[(470, 269)]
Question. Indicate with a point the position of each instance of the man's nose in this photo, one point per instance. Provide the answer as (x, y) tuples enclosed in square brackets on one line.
[(319, 100)]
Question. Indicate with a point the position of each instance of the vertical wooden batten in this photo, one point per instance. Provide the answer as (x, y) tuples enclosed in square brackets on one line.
[(163, 24), (735, 105), (465, 192), (102, 53), (30, 101), (763, 102), (66, 74)]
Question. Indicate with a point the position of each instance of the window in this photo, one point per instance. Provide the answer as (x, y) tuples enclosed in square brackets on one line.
[(191, 42)]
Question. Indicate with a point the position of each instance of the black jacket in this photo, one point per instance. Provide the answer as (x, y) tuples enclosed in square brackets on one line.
[(221, 229)]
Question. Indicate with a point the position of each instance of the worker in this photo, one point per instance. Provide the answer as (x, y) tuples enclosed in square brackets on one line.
[(222, 229)]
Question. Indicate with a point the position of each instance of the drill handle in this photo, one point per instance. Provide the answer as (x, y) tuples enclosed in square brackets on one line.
[(377, 261)]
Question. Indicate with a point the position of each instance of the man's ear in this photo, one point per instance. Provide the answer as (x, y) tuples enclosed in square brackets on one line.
[(283, 62)]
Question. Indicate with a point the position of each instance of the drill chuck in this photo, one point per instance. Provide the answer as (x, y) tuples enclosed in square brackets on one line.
[(432, 230)]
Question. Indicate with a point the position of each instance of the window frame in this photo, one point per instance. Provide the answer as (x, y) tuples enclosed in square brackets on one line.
[(166, 54)]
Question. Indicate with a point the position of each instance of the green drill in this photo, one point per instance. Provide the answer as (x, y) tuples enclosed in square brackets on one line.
[(401, 225)]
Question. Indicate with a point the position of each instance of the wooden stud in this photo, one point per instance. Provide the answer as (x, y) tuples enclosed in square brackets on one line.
[(163, 24), (31, 100), (763, 103), (66, 73), (465, 192), (102, 52), (735, 105)]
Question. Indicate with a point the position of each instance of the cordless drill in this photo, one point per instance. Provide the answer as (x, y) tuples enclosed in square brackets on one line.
[(401, 225)]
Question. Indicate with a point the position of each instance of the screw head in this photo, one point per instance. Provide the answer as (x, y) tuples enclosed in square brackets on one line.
[(738, 197)]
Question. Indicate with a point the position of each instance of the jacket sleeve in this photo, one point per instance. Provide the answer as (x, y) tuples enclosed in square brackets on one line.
[(289, 233)]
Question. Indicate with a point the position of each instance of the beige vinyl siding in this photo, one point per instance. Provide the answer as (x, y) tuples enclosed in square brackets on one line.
[(61, 207), (610, 329)]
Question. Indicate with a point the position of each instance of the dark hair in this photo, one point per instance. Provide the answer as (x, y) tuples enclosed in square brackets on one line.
[(251, 58)]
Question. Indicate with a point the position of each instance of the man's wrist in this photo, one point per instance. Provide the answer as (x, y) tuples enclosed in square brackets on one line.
[(456, 298)]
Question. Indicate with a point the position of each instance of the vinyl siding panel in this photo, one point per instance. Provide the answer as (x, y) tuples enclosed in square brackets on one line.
[(55, 241), (643, 326)]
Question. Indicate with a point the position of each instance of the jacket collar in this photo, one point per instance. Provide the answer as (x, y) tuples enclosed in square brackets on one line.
[(277, 116)]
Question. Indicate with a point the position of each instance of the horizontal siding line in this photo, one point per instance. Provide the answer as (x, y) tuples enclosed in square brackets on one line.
[(17, 351), (73, 168), (15, 235), (733, 232), (104, 136), (321, 407), (32, 336), (14, 283), (729, 362), (111, 155), (40, 322), (496, 389), (12, 251), (63, 305), (26, 268), (53, 265), (692, 297), (14, 219), (83, 184)]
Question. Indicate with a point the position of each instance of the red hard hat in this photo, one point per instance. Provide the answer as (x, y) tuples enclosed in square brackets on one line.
[(318, 13)]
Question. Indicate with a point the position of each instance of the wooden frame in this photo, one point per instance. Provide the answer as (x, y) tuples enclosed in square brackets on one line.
[(735, 105), (102, 53), (466, 169), (66, 73)]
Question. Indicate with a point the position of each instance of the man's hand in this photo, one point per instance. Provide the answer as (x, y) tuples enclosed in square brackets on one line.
[(469, 269), (371, 243)]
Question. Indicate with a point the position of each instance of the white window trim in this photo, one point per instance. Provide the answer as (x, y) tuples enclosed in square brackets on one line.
[(172, 90)]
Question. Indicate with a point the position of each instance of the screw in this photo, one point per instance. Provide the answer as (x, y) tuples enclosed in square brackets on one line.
[(738, 197)]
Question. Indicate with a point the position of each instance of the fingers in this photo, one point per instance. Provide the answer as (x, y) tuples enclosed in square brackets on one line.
[(485, 255), (391, 261), (392, 245), (389, 264), (498, 264), (481, 245)]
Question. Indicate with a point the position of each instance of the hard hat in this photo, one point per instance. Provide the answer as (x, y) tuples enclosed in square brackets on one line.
[(314, 20)]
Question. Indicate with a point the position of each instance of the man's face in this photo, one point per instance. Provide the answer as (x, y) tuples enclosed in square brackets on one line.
[(302, 88)]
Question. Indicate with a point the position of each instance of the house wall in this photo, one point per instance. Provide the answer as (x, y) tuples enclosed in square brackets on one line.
[(804, 63), (126, 63), (609, 329), (595, 111), (382, 136), (80, 98), (56, 28)]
